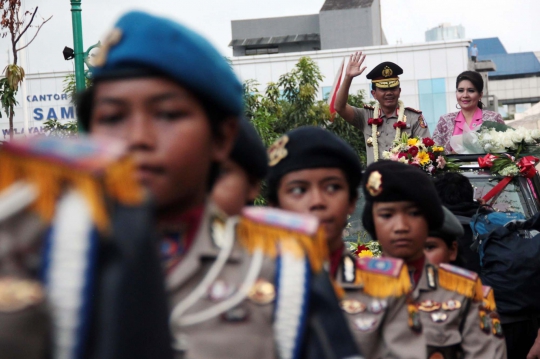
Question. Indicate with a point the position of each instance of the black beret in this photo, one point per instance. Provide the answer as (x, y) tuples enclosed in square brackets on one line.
[(249, 151), (312, 147), (386, 69), (391, 181), (451, 229)]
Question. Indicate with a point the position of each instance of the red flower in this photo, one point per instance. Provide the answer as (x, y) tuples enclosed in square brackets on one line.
[(361, 248), (428, 141), (431, 156), (400, 124), (402, 154), (413, 151), (375, 121)]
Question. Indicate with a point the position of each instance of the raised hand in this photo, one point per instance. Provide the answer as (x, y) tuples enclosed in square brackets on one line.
[(354, 67)]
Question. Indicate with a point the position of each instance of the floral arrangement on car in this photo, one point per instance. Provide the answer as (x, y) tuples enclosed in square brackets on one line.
[(496, 137), (420, 152)]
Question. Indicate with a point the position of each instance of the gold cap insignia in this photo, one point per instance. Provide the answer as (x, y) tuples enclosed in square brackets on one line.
[(277, 151), (112, 39), (18, 294), (387, 71), (374, 183), (262, 292)]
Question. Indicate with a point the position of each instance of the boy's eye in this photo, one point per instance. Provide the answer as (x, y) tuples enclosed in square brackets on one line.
[(429, 247), (415, 213), (385, 215), (110, 119), (170, 115), (333, 187), (297, 190)]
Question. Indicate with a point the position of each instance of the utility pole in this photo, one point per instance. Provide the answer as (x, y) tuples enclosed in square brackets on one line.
[(76, 21)]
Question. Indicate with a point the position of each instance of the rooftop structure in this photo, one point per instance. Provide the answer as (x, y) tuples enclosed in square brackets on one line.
[(445, 31)]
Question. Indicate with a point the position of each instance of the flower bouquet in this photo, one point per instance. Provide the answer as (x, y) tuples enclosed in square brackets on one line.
[(366, 249), (419, 152), (497, 137)]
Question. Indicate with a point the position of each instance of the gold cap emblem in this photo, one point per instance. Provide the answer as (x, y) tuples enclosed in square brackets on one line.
[(18, 294), (387, 71), (277, 151), (374, 183), (112, 39)]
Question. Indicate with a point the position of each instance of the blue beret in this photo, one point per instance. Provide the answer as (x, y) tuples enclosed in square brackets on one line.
[(249, 151), (311, 147), (170, 49)]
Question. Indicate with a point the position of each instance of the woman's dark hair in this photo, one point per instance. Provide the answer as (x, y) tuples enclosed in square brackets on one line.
[(475, 78), (454, 188)]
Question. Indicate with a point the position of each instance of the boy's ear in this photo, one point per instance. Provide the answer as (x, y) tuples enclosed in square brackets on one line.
[(223, 144)]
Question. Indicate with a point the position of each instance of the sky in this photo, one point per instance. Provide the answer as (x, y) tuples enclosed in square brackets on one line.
[(514, 22)]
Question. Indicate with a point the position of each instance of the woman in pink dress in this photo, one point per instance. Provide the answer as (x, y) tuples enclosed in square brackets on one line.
[(469, 87)]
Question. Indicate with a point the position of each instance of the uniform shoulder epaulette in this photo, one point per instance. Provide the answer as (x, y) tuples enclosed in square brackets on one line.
[(50, 164), (413, 110), (270, 228), (384, 277), (460, 280), (369, 107), (489, 298)]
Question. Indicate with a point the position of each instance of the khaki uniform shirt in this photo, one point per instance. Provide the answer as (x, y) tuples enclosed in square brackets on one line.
[(246, 330), (416, 126), (381, 327), (452, 333)]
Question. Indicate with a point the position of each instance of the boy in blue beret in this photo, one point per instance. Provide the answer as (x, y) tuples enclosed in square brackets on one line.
[(445, 303), (176, 102), (239, 181)]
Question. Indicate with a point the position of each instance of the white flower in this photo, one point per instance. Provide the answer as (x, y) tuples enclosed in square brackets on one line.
[(535, 134), (510, 170), (403, 160), (386, 155)]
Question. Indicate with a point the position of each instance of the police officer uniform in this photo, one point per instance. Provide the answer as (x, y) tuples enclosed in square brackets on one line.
[(250, 286), (386, 75), (446, 302), (374, 319)]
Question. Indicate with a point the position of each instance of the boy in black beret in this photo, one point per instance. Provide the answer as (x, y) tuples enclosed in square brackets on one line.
[(314, 171), (402, 207), (441, 244), (239, 181)]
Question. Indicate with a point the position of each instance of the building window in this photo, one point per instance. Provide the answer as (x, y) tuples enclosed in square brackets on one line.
[(326, 90), (432, 98), (262, 51)]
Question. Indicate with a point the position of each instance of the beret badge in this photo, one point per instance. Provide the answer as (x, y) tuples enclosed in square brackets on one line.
[(374, 183), (277, 151), (112, 39)]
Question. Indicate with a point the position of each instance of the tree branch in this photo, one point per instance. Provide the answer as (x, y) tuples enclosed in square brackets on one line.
[(27, 26), (37, 31)]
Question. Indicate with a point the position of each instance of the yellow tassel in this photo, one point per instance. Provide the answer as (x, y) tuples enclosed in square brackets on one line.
[(51, 178), (382, 286), (460, 284), (253, 235), (489, 301)]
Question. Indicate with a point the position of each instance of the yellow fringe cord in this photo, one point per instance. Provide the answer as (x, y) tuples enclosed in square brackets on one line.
[(253, 235), (460, 284), (489, 301), (382, 286), (340, 292), (51, 178)]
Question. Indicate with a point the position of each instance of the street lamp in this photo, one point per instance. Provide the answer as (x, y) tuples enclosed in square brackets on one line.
[(78, 44)]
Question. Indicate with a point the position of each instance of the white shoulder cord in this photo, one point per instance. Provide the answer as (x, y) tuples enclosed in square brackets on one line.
[(176, 319)]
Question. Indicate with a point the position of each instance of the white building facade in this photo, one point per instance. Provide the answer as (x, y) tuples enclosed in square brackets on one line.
[(428, 82)]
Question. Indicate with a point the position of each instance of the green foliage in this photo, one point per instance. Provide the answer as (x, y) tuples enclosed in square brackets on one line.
[(53, 127), (499, 127), (70, 87), (7, 96), (292, 102)]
